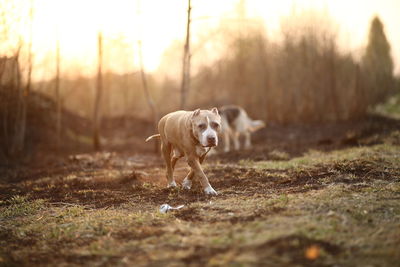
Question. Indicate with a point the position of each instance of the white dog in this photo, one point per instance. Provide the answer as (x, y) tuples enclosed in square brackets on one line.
[(236, 122)]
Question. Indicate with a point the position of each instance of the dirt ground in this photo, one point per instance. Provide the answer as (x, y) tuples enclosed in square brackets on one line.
[(303, 196)]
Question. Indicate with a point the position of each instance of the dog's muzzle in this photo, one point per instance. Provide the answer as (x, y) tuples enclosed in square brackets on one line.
[(211, 141)]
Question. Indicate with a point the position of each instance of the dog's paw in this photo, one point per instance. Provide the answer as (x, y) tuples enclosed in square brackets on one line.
[(172, 184), (187, 183), (210, 191)]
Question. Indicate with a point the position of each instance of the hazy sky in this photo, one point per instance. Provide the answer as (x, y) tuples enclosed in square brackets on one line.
[(76, 23)]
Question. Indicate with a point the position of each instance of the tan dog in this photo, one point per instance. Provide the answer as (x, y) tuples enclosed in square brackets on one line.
[(190, 134)]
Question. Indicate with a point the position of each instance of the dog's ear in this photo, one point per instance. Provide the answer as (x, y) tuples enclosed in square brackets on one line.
[(196, 112), (215, 110)]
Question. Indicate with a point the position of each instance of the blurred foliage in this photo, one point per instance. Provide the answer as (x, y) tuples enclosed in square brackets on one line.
[(303, 78), (377, 63)]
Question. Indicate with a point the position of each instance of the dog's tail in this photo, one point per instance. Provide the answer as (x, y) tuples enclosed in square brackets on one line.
[(255, 125), (153, 136)]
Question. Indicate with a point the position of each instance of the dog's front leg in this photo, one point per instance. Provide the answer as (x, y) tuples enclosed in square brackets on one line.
[(227, 145), (187, 182), (236, 141), (198, 171), (247, 143)]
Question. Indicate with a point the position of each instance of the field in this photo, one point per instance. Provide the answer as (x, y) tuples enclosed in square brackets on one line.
[(304, 196)]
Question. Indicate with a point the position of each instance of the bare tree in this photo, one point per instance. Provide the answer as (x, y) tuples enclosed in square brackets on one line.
[(20, 132), (332, 79), (185, 85), (11, 91), (57, 89), (99, 93), (149, 99)]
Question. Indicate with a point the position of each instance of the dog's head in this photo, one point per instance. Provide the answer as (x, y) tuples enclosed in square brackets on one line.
[(205, 126)]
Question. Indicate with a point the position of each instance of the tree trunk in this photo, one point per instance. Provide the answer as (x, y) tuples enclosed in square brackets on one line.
[(19, 141), (185, 85), (25, 98), (149, 99), (58, 98), (360, 101), (99, 92), (17, 123)]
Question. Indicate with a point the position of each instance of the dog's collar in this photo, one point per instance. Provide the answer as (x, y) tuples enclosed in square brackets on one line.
[(196, 141), (192, 136)]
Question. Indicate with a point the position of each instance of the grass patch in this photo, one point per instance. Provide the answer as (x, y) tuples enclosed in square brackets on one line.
[(314, 157), (20, 206), (390, 108)]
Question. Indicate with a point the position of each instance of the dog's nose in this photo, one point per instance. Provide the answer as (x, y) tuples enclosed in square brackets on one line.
[(211, 140)]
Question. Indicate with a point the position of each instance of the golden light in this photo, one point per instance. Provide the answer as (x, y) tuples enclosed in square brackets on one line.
[(158, 23)]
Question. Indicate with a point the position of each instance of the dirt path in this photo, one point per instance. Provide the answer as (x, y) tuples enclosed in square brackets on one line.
[(327, 201)]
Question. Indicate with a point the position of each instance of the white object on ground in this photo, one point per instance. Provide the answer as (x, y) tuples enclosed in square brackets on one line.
[(164, 208)]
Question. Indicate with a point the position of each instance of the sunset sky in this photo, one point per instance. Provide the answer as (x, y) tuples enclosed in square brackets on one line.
[(158, 23)]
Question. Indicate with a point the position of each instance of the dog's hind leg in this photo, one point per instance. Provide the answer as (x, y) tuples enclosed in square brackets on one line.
[(173, 162), (166, 151), (176, 156)]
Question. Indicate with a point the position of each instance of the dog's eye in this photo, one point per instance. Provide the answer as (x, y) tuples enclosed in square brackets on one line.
[(201, 126), (214, 125)]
